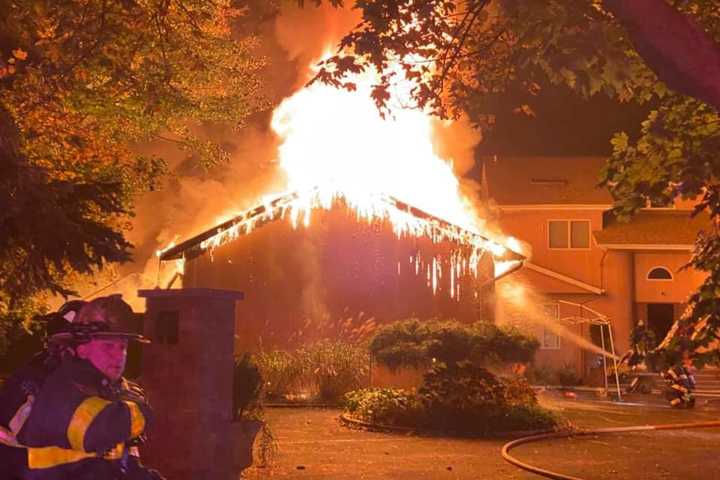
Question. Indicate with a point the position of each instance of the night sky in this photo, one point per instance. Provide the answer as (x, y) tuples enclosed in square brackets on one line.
[(565, 124)]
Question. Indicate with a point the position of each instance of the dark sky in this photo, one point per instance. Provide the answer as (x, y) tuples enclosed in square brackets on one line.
[(565, 124)]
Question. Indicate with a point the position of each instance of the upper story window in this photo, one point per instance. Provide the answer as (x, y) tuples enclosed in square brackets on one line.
[(659, 273), (569, 233)]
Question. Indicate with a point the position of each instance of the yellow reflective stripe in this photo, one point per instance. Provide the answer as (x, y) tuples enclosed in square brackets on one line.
[(137, 419), (49, 457), (84, 415)]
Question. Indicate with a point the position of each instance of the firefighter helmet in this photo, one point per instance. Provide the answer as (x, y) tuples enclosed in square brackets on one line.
[(104, 317)]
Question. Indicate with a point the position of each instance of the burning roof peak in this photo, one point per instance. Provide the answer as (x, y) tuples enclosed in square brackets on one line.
[(297, 206)]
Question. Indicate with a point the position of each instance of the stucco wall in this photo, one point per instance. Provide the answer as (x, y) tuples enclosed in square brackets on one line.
[(665, 291), (611, 271)]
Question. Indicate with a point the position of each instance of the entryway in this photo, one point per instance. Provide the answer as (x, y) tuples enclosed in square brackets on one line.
[(660, 317)]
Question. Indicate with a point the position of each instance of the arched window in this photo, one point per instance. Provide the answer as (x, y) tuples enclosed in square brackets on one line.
[(659, 273)]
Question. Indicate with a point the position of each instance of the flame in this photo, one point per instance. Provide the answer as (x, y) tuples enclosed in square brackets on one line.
[(336, 145), (337, 141)]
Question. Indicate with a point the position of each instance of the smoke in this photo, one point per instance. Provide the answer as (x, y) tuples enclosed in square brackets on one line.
[(307, 34), (455, 141), (519, 305), (193, 200)]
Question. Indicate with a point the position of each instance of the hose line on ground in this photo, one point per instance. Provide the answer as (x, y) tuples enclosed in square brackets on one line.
[(601, 431)]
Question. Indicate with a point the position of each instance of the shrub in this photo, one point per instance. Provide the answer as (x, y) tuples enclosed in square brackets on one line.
[(568, 376), (468, 399), (413, 343), (510, 345), (528, 417), (247, 385), (334, 368), (541, 375), (281, 371), (462, 399), (402, 344), (386, 406)]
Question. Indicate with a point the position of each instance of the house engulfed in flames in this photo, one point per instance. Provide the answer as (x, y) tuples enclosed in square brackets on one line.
[(318, 265)]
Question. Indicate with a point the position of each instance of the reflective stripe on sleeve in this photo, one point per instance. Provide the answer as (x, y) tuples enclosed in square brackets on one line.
[(137, 419), (49, 457), (84, 415)]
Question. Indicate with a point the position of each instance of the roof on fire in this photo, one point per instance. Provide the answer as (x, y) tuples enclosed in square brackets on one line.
[(515, 181), (276, 209)]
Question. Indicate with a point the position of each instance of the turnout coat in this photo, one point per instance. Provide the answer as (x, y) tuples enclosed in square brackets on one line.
[(82, 424)]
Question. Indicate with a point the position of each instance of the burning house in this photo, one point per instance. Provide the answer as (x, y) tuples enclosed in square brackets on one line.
[(374, 226), (322, 265)]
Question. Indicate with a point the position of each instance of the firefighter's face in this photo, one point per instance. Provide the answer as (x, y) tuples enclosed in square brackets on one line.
[(107, 355)]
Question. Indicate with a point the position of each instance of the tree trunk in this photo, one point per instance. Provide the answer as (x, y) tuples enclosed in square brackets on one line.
[(673, 45)]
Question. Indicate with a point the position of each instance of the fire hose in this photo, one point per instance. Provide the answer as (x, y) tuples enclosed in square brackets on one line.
[(601, 431)]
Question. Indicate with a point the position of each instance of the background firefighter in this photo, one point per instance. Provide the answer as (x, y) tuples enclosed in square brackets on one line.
[(681, 383)]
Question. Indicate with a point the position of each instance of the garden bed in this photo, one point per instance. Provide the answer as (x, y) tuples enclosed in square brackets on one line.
[(356, 423)]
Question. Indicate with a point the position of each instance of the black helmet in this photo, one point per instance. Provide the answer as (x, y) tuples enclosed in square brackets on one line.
[(103, 317), (61, 320)]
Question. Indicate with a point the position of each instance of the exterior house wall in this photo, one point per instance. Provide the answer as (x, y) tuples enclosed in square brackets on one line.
[(665, 291), (611, 271), (338, 278), (611, 279), (531, 226)]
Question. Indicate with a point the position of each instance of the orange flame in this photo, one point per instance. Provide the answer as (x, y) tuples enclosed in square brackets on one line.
[(335, 144), (336, 141)]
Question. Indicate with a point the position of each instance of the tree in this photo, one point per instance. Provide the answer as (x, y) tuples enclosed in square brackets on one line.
[(81, 83), (456, 52)]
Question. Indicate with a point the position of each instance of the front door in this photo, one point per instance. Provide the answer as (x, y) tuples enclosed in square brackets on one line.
[(660, 318)]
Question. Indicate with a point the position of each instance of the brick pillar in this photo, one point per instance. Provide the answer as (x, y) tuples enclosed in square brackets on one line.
[(187, 373)]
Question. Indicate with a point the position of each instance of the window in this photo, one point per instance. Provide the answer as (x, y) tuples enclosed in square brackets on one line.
[(166, 327), (569, 233), (550, 340), (659, 273)]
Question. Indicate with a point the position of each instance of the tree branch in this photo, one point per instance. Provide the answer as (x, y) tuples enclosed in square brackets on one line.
[(673, 45)]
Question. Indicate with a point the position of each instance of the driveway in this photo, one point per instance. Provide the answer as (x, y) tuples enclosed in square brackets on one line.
[(313, 445)]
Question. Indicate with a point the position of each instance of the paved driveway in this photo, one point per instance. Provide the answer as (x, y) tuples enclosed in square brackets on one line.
[(313, 445)]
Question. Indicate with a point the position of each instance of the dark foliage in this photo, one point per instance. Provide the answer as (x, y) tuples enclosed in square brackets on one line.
[(247, 385), (462, 399), (51, 227), (415, 343)]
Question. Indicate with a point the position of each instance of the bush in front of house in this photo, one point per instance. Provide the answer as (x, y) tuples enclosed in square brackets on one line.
[(281, 371), (468, 399), (334, 368), (461, 400), (568, 377), (386, 406), (415, 343), (324, 370), (459, 395), (541, 375)]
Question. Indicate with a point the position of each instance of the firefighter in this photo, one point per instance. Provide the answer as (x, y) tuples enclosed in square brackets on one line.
[(19, 391), (87, 420), (681, 383)]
